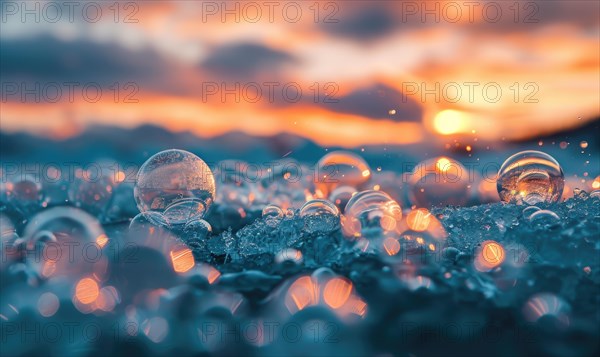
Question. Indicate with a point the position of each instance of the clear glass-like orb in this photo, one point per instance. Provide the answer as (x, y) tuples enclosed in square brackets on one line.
[(197, 230), (177, 184), (341, 195), (528, 211), (91, 193), (272, 215), (320, 216), (147, 224), (340, 168), (371, 209), (530, 177), (439, 181), (27, 194), (544, 218), (71, 242)]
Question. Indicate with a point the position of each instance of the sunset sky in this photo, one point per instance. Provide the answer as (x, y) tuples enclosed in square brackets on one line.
[(341, 73)]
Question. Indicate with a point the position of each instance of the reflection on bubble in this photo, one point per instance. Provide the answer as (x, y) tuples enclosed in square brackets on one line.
[(320, 216), (530, 177), (341, 195), (65, 242), (439, 181), (490, 255), (177, 180), (340, 168), (324, 288), (371, 209), (547, 304)]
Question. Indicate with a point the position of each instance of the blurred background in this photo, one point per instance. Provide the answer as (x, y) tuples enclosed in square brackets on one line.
[(392, 80)]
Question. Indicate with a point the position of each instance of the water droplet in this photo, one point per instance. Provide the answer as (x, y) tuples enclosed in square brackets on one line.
[(176, 183), (530, 177)]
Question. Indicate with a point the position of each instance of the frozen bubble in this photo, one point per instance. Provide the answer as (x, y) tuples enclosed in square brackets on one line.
[(528, 211), (547, 304), (371, 209), (91, 194), (148, 224), (171, 177), (272, 215), (595, 194), (530, 177), (197, 230), (544, 218), (320, 216), (289, 255), (26, 194), (340, 168), (184, 210), (439, 181), (341, 195), (71, 241)]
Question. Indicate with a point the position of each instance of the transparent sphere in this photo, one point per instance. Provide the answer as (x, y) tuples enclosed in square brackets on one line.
[(272, 215), (340, 168), (530, 177), (528, 211), (197, 230), (289, 255), (175, 183), (320, 216), (148, 223), (91, 193), (26, 194), (286, 184), (371, 209), (341, 195), (439, 181), (67, 242), (544, 218)]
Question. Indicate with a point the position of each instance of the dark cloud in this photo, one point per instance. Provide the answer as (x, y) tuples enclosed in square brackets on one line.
[(245, 61), (46, 58), (363, 23), (375, 102)]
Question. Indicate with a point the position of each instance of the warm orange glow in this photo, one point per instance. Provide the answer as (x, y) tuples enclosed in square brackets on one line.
[(596, 183), (366, 173), (49, 268), (449, 122), (491, 255), (391, 246), (182, 260), (337, 291), (419, 219), (101, 240), (86, 291), (443, 164), (120, 177), (303, 292)]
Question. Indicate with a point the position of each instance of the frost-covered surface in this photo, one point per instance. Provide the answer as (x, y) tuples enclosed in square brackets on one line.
[(542, 299)]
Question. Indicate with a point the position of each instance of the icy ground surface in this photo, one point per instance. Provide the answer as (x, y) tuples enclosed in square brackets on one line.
[(541, 296)]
